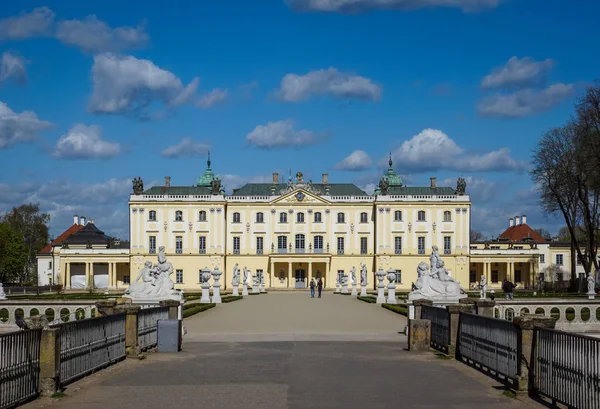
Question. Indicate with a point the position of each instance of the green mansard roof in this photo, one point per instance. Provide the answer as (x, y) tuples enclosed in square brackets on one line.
[(264, 189), (178, 190)]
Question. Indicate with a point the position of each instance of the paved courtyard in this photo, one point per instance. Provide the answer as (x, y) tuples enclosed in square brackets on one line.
[(285, 350)]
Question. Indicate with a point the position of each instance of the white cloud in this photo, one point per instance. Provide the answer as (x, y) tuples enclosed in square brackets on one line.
[(125, 85), (216, 96), (357, 160), (355, 6), (37, 23), (432, 149), (93, 35), (296, 87), (85, 142), (525, 102), (479, 189), (517, 72), (187, 147), (12, 68), (281, 134), (17, 128)]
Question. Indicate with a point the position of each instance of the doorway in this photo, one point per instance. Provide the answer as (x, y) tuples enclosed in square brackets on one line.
[(300, 278)]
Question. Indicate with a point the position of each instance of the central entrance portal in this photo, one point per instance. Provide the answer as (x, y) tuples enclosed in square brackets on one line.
[(300, 278)]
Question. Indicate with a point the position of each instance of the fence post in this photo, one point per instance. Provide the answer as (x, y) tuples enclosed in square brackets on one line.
[(419, 335), (485, 308), (174, 307), (417, 306), (106, 307), (527, 322), (131, 328), (454, 311), (49, 361)]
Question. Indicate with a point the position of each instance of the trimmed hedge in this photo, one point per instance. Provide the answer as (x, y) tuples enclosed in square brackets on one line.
[(231, 298), (398, 309), (195, 309), (368, 298), (341, 293)]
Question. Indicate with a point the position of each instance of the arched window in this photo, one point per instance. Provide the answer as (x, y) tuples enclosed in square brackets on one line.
[(364, 218), (152, 215), (282, 217), (178, 216), (341, 218), (260, 218), (202, 216), (398, 216), (299, 243), (300, 217), (317, 217), (421, 216), (236, 217), (447, 216)]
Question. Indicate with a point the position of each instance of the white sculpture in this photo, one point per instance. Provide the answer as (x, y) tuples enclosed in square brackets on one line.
[(255, 284), (246, 272), (155, 280), (482, 287), (391, 276), (434, 283), (363, 274), (216, 286), (591, 286), (235, 281), (344, 284), (2, 295), (380, 286), (353, 272), (205, 284)]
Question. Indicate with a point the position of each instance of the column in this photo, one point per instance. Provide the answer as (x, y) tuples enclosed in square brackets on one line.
[(511, 270), (91, 277), (115, 270), (309, 273), (271, 274), (486, 271), (67, 275), (326, 274), (289, 280), (87, 275)]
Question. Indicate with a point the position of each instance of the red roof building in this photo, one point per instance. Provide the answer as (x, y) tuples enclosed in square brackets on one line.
[(66, 234), (519, 231)]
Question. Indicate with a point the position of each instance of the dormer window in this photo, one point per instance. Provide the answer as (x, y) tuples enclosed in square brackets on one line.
[(178, 216)]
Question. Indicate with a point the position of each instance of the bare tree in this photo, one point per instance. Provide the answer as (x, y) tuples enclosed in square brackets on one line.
[(543, 232), (565, 171), (475, 236)]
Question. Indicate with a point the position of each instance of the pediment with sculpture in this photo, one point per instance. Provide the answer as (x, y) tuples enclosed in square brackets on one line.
[(300, 196)]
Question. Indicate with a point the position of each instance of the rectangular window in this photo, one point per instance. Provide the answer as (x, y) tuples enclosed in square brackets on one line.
[(518, 276), (559, 259), (399, 276), (494, 276), (152, 244), (363, 245), (259, 245), (447, 244), (259, 274), (126, 280), (178, 244), (421, 245), (542, 259), (50, 264), (236, 245), (340, 245), (397, 245), (340, 275), (472, 276), (179, 276), (202, 244), (318, 244), (282, 244)]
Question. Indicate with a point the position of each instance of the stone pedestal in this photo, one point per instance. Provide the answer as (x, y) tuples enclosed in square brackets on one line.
[(244, 289), (236, 290), (255, 289), (419, 335), (354, 292), (363, 290), (131, 328), (337, 286), (380, 286), (485, 308), (2, 295), (205, 299), (345, 288), (216, 299), (591, 296), (49, 361), (262, 284), (391, 298), (454, 311)]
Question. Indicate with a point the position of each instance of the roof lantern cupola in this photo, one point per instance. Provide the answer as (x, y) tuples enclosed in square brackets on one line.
[(389, 180), (209, 179)]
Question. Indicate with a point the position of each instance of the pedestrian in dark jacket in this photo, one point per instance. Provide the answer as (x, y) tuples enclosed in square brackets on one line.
[(320, 287), (508, 288)]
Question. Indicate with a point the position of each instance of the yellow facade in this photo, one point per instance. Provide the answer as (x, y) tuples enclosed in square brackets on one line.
[(516, 262), (297, 231)]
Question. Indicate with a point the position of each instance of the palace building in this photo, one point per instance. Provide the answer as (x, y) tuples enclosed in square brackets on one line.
[(295, 230)]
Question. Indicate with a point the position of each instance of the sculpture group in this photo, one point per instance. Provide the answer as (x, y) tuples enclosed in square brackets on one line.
[(434, 282), (153, 281)]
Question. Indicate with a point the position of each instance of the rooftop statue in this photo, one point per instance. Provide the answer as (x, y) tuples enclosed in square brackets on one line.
[(434, 282), (461, 186), (138, 186), (384, 186), (215, 187)]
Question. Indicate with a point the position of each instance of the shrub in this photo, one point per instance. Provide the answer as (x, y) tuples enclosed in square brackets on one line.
[(398, 309), (196, 309), (231, 298), (368, 298)]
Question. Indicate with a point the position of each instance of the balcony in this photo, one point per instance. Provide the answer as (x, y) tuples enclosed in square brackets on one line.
[(319, 251), (299, 250), (282, 251)]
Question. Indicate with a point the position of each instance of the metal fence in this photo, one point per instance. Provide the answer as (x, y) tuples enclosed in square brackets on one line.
[(440, 326), (148, 325), (19, 366), (90, 344), (567, 368), (490, 342)]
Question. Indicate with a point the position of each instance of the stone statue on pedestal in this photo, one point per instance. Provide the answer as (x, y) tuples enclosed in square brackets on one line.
[(434, 282), (138, 186), (353, 273), (363, 274), (245, 283), (461, 186), (155, 280), (235, 281), (2, 295), (482, 287), (591, 283)]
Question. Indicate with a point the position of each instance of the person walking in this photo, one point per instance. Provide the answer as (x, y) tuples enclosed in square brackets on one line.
[(312, 288), (320, 286), (508, 288)]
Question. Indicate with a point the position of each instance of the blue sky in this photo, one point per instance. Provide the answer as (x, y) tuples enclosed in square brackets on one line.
[(95, 93)]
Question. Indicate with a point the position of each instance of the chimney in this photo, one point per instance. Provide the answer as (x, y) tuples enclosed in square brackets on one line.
[(167, 181), (432, 183), (82, 220), (75, 219), (517, 220), (511, 222), (275, 178), (523, 219), (91, 221), (325, 178)]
